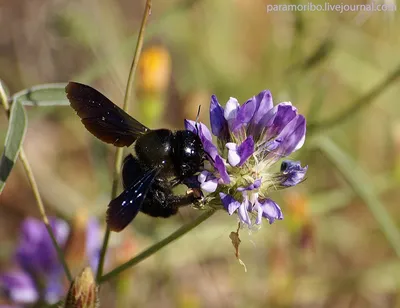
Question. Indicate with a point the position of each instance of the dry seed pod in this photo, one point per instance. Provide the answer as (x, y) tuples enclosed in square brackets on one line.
[(83, 292)]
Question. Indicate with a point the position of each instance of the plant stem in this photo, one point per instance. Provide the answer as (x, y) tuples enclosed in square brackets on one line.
[(35, 189), (119, 151), (116, 175), (42, 211), (157, 246), (4, 100), (357, 105), (138, 51)]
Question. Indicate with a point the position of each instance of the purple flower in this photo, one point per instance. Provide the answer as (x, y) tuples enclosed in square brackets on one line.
[(251, 139), (291, 173), (35, 252), (20, 287), (39, 271)]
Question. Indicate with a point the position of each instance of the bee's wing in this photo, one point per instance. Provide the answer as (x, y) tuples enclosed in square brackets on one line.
[(127, 205), (131, 170), (103, 118)]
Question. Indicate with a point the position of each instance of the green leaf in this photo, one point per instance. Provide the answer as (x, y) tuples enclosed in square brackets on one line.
[(44, 95), (360, 182), (15, 136)]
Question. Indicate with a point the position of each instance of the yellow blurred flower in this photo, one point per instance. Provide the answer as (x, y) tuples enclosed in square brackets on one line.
[(155, 69), (300, 219), (298, 206)]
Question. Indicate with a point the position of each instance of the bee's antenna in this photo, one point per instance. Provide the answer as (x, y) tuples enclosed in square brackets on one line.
[(198, 113), (197, 120)]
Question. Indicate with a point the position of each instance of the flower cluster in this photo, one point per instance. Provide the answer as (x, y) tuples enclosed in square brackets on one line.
[(39, 274), (251, 139)]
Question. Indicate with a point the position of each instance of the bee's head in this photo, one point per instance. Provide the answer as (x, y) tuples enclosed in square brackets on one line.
[(188, 153)]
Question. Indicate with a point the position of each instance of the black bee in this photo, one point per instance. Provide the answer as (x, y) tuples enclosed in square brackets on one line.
[(162, 158)]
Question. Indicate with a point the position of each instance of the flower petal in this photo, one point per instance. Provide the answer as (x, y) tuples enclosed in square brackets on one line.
[(54, 288), (19, 287), (205, 137), (93, 242), (301, 142), (202, 177), (246, 149), (205, 132), (284, 114), (219, 125), (210, 186), (271, 210), (269, 118), (201, 130), (259, 213), (245, 114), (264, 104), (229, 203), (257, 183), (190, 125), (220, 166), (244, 214), (252, 186), (36, 252), (291, 137), (291, 173), (230, 112), (233, 155)]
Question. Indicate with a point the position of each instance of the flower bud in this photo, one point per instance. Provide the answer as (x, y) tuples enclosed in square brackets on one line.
[(83, 292)]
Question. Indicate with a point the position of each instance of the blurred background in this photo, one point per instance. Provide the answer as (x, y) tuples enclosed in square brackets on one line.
[(336, 246)]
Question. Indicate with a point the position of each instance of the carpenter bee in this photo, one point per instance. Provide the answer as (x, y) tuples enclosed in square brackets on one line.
[(162, 158)]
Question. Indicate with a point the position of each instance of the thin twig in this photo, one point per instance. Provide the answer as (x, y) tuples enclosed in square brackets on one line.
[(4, 100), (157, 246), (119, 151), (35, 189)]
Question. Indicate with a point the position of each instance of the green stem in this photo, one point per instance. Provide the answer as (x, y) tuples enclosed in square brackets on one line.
[(119, 151), (360, 183), (138, 51), (103, 253), (156, 247), (35, 189), (358, 104), (114, 190), (42, 211)]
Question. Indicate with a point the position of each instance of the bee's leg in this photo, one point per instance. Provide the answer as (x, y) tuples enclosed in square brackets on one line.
[(161, 202), (191, 197)]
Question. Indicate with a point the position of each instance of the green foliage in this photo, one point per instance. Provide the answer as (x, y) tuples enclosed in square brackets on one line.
[(14, 139), (43, 95)]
